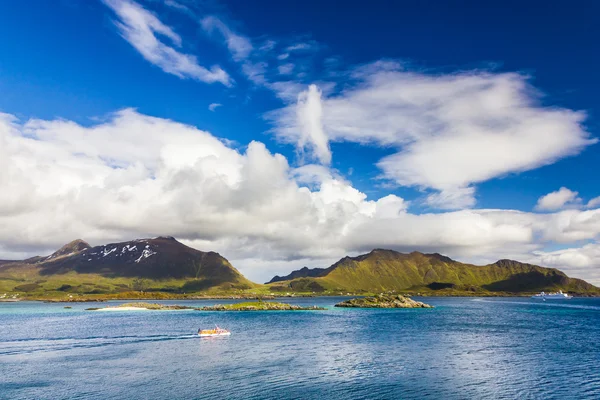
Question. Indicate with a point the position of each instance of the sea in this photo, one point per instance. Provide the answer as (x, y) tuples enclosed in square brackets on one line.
[(464, 348)]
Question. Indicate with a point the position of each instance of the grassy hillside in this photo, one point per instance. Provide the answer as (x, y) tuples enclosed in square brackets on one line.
[(386, 270)]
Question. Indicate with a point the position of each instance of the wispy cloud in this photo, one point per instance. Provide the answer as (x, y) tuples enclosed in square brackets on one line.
[(147, 34), (452, 198), (255, 71), (451, 131), (239, 46), (213, 106), (267, 45), (299, 46), (286, 69), (176, 5)]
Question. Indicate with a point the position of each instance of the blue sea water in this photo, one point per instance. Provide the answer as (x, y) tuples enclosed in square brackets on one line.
[(465, 348)]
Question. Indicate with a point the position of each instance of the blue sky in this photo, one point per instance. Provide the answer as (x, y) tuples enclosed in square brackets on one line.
[(447, 111)]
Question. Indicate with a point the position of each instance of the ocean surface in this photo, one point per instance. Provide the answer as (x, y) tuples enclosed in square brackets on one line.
[(465, 348)]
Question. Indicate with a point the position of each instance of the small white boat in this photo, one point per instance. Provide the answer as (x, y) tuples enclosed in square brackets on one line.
[(552, 296), (213, 332)]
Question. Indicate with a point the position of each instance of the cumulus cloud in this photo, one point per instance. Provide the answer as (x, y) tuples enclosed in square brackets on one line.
[(137, 176), (578, 261), (239, 46), (146, 33), (559, 199), (451, 131), (213, 106)]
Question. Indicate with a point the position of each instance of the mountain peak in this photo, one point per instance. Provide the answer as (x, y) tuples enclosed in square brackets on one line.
[(166, 238), (72, 247), (304, 272)]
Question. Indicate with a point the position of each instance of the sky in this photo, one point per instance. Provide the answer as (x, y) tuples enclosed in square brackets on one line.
[(290, 134)]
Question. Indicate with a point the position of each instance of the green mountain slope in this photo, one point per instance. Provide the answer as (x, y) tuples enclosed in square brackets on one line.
[(387, 270)]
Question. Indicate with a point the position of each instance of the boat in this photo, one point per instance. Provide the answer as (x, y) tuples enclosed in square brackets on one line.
[(213, 332), (552, 296)]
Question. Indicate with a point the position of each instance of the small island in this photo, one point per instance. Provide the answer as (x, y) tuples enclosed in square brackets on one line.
[(246, 306), (259, 306), (383, 301), (141, 306)]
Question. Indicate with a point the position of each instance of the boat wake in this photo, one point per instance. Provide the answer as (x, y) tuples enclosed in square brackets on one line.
[(32, 346)]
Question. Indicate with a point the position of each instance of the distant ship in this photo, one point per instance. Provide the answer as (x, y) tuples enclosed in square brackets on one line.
[(552, 296), (213, 332)]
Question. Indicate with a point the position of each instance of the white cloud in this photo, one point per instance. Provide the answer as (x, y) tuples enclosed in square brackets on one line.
[(177, 5), (451, 131), (267, 45), (213, 106), (145, 32), (577, 261), (286, 69), (452, 199), (556, 200), (138, 176), (255, 71), (288, 91), (595, 202), (309, 113), (299, 46), (239, 46)]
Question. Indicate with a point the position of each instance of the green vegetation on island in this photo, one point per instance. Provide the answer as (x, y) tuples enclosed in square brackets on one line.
[(141, 305), (383, 301), (245, 306), (259, 306)]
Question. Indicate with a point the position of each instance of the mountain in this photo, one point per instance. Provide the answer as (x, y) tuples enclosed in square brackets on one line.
[(70, 248), (161, 263), (387, 270), (301, 273)]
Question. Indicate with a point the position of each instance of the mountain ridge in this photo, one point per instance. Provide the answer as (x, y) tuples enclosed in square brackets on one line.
[(384, 270), (163, 264)]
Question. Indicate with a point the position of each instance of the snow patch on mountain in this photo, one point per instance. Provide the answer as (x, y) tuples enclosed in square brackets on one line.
[(106, 252), (145, 254)]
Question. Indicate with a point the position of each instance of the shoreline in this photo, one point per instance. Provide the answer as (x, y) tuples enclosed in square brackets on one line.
[(84, 299), (122, 309)]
